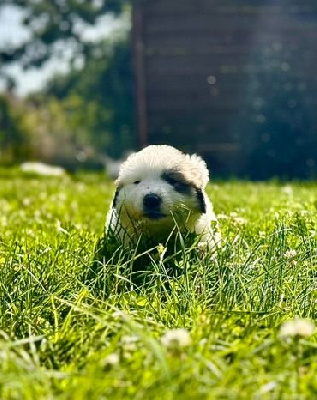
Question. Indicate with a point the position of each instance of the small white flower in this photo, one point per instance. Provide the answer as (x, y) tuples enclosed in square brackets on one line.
[(129, 343), (62, 196), (175, 338), (222, 216), (269, 387), (26, 202), (240, 220), (111, 360), (299, 327), (287, 190), (290, 254), (203, 342), (118, 314)]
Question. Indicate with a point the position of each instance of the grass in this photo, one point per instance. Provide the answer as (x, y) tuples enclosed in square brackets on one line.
[(61, 339)]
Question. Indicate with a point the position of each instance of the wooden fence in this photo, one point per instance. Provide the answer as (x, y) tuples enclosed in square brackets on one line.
[(234, 80)]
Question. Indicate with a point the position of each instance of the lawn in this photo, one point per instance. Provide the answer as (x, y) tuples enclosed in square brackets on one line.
[(216, 330)]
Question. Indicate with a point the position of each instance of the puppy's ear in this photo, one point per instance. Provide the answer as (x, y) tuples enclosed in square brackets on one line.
[(201, 201), (201, 166), (116, 194), (115, 197)]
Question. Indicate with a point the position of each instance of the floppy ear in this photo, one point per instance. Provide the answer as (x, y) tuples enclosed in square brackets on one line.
[(201, 166), (115, 197), (201, 201)]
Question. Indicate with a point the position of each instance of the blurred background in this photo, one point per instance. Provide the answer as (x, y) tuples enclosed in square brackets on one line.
[(82, 83)]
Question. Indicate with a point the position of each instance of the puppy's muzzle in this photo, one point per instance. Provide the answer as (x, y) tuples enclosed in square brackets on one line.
[(152, 206)]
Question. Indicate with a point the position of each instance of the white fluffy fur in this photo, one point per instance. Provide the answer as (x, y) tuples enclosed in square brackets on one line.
[(141, 174)]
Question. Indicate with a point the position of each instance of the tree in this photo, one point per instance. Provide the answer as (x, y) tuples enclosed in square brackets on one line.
[(58, 132), (96, 99), (15, 135), (53, 21), (105, 87)]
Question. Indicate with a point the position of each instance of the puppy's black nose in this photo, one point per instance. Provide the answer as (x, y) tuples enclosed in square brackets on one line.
[(152, 202)]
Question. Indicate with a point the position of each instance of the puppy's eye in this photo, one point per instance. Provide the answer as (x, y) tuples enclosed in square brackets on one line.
[(136, 182), (179, 185)]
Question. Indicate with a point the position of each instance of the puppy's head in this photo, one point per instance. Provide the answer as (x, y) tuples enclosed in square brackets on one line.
[(160, 185)]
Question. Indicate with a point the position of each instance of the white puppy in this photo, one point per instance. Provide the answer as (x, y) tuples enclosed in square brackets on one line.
[(160, 191)]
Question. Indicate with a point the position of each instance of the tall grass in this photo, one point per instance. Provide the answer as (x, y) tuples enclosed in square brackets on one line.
[(64, 336)]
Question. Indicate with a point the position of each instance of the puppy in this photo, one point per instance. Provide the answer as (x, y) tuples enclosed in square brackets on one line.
[(160, 191)]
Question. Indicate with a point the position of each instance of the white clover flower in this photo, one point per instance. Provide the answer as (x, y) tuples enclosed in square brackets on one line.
[(26, 202), (298, 327), (111, 360), (176, 338), (268, 387), (203, 342), (240, 220), (287, 190), (222, 216), (62, 196), (129, 343), (118, 314), (290, 254)]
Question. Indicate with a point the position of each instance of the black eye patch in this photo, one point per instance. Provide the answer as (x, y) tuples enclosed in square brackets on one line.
[(177, 181)]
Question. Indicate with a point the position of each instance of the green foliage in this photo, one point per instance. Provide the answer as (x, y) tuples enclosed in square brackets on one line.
[(60, 129), (88, 110), (15, 137), (79, 117), (52, 21), (103, 90), (70, 341)]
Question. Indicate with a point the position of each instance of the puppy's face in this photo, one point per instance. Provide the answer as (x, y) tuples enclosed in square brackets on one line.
[(155, 192)]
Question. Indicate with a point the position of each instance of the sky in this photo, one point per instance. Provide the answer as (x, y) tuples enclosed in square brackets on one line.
[(12, 32)]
